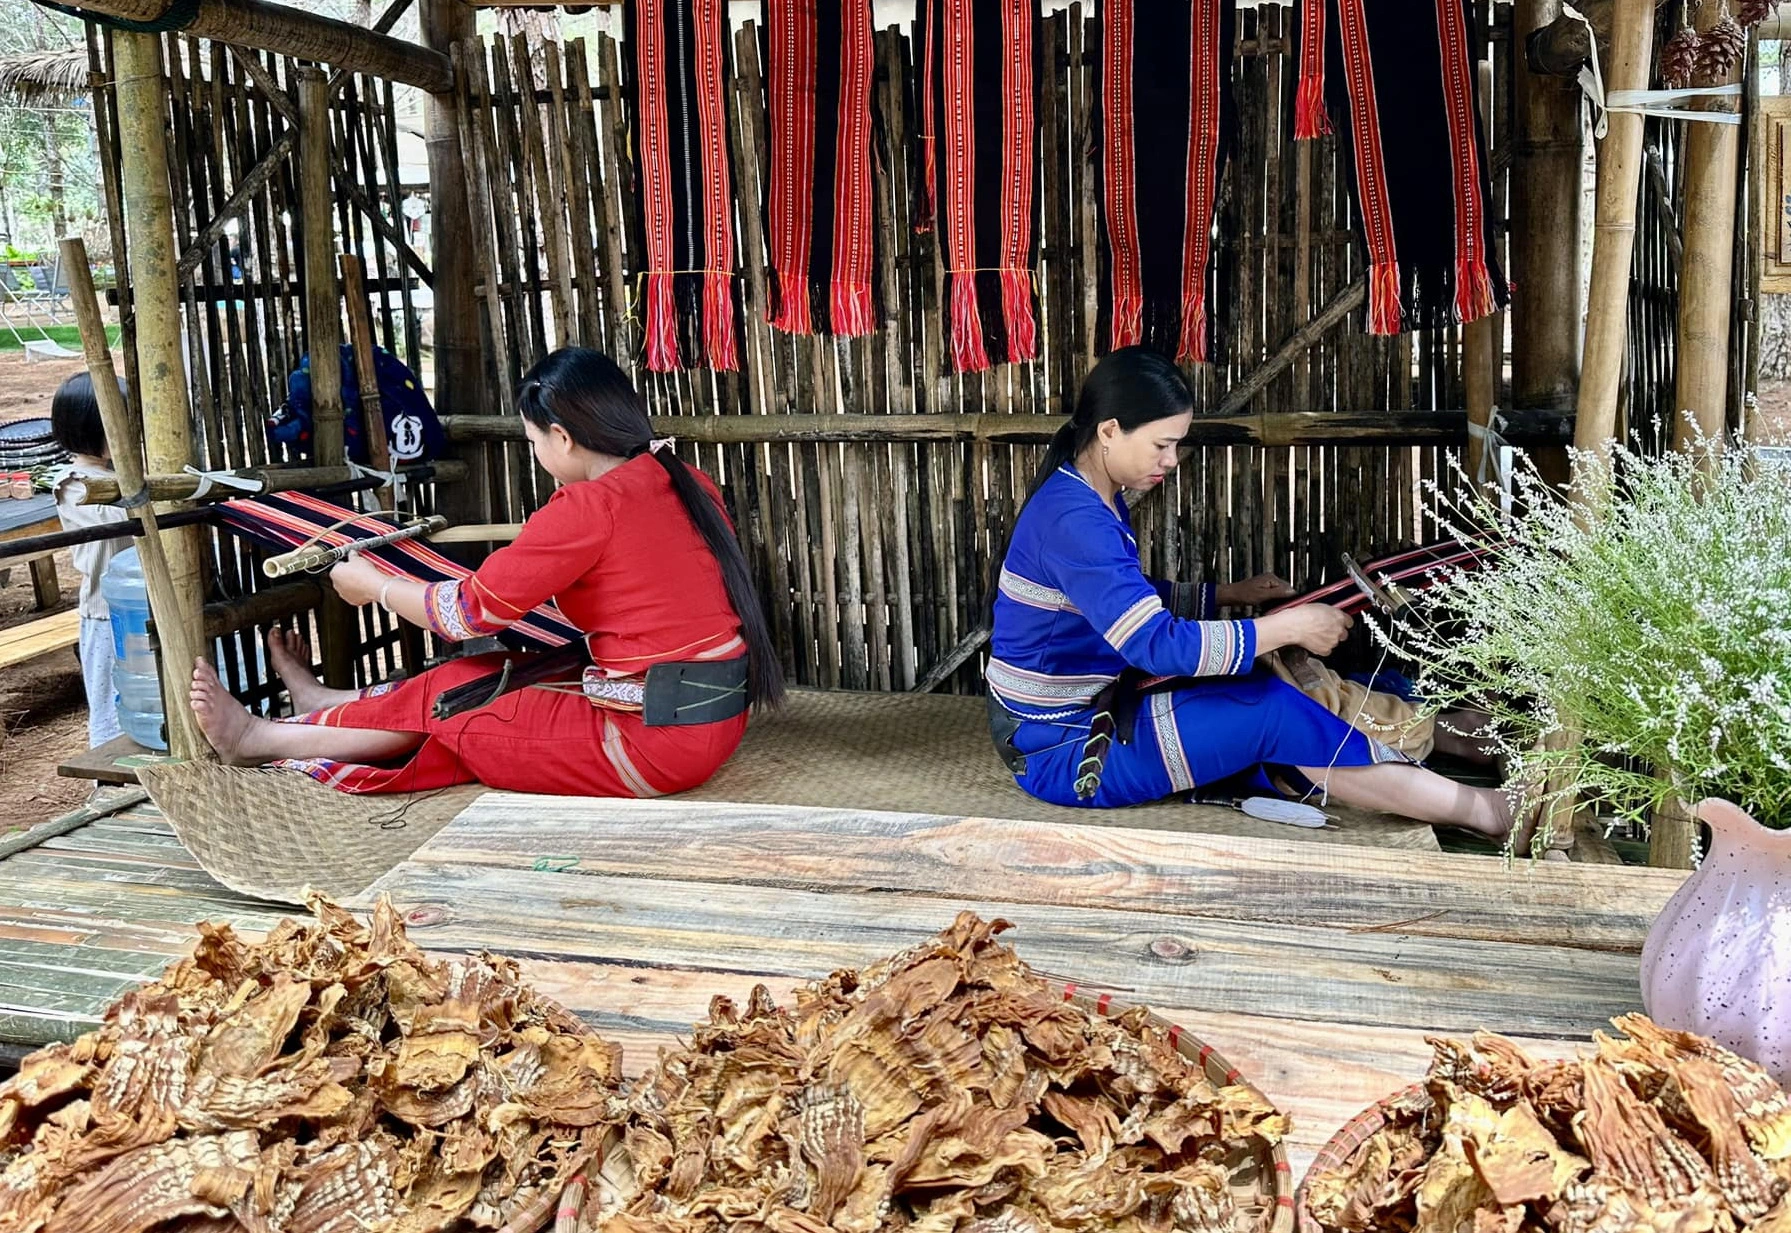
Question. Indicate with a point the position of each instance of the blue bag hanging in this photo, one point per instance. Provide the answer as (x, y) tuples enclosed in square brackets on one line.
[(413, 432)]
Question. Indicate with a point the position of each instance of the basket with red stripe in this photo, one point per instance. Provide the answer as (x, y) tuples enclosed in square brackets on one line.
[(1348, 1140), (1261, 1179)]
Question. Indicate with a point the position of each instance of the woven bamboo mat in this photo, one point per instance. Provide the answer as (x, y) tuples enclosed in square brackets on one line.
[(930, 753)]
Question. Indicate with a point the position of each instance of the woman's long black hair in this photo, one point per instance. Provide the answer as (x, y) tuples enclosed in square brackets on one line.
[(584, 392), (1133, 385)]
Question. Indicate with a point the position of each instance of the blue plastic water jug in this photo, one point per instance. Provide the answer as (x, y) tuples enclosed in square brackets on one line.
[(133, 654)]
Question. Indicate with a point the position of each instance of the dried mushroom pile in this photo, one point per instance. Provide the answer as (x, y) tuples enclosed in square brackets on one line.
[(331, 1079), (1661, 1132), (946, 1089)]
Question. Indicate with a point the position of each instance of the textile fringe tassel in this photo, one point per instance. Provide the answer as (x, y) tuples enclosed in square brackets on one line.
[(1193, 340), (853, 309), (1474, 296), (1310, 117), (662, 325), (718, 323), (967, 349), (793, 301), (1384, 311), (1128, 321), (1016, 308)]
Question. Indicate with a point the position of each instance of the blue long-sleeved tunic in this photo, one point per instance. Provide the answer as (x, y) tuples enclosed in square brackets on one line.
[(1074, 609)]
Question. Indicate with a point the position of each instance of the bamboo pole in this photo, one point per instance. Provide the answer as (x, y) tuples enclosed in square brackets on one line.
[(1613, 244), (177, 619), (287, 30), (185, 487), (337, 625), (459, 364), (1284, 428), (366, 370), (1706, 291), (166, 431), (1546, 198)]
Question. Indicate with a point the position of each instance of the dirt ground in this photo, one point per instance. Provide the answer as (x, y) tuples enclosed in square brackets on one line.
[(43, 711), (1772, 418)]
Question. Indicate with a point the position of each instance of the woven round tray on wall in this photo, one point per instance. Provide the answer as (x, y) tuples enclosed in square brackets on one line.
[(1346, 1143), (1261, 1180)]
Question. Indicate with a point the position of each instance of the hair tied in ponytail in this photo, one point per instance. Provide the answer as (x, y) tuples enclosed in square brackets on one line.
[(661, 444)]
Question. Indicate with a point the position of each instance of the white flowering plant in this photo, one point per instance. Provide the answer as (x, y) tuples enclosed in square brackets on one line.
[(1646, 612)]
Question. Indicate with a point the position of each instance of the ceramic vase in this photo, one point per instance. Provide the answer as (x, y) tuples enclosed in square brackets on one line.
[(1718, 958)]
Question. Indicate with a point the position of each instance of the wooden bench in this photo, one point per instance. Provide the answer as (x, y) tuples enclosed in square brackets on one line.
[(23, 643)]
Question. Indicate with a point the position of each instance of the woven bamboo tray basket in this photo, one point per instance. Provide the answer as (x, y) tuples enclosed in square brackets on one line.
[(1261, 1180), (1344, 1144)]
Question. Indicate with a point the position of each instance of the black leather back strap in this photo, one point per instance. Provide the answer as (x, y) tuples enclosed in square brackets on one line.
[(702, 691)]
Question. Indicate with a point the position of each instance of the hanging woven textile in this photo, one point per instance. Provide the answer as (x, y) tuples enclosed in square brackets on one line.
[(1400, 76), (979, 81), (678, 95), (286, 520), (819, 218), (1166, 117)]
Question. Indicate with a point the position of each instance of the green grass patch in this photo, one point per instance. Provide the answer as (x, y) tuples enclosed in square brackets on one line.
[(67, 335)]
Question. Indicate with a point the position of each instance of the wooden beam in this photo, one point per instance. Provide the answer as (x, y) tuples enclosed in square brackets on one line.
[(302, 33), (182, 487), (246, 190), (1613, 243), (1297, 344), (166, 431), (264, 607), (1274, 429)]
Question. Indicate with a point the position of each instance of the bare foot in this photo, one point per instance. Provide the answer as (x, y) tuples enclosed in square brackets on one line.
[(226, 722), (291, 659)]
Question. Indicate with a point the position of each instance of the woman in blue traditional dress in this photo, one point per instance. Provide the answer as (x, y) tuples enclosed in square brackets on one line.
[(1110, 688)]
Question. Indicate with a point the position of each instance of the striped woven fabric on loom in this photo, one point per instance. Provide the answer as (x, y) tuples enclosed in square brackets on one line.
[(979, 74), (1166, 120), (1401, 76), (678, 93), (819, 215), (286, 520)]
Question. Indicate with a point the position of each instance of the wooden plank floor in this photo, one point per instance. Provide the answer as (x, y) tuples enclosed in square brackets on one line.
[(1316, 969)]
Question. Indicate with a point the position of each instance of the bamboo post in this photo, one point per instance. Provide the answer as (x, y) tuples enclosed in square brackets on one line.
[(176, 620), (1706, 291), (1546, 201), (166, 431), (338, 627), (1613, 243), (459, 362), (366, 370)]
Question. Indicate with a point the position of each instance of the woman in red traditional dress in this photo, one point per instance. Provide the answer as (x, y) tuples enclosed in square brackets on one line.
[(635, 550)]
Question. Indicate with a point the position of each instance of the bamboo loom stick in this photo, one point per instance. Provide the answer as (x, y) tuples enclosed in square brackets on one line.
[(179, 626), (185, 487)]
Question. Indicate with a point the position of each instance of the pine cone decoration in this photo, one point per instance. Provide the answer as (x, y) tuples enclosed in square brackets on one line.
[(1720, 49), (1679, 58), (1751, 13)]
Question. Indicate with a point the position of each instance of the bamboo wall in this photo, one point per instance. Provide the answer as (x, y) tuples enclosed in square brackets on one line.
[(233, 127), (873, 556)]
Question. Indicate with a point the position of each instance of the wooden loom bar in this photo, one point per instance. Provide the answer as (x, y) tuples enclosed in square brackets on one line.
[(289, 31), (184, 487), (1286, 428)]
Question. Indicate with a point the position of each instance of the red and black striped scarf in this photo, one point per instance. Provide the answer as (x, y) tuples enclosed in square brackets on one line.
[(678, 91), (1400, 74), (979, 84), (285, 520), (1166, 119), (819, 215)]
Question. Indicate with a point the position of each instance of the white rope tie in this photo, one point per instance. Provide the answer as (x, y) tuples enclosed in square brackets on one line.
[(388, 479), (1492, 450), (223, 479), (1669, 104)]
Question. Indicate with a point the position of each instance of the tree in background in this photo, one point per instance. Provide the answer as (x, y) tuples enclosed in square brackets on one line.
[(49, 161)]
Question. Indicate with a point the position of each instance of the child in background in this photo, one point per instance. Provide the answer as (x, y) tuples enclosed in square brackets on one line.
[(75, 420)]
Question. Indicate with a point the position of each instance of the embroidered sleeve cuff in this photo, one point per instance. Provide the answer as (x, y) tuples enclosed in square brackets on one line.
[(1228, 648), (450, 610)]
